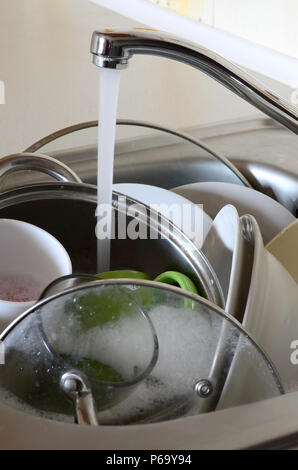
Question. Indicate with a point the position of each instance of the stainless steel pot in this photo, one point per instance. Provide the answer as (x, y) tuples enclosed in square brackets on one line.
[(66, 209)]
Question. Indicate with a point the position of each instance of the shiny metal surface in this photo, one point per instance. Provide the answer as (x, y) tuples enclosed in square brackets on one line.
[(60, 208), (204, 388), (281, 185), (125, 122), (37, 162), (114, 49), (75, 385), (77, 202), (263, 151)]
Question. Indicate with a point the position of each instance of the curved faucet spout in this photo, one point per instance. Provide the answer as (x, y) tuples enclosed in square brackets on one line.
[(113, 49)]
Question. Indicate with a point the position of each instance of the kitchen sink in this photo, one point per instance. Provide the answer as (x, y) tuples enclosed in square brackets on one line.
[(266, 154)]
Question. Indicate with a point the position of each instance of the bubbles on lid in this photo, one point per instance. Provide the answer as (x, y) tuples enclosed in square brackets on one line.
[(188, 337)]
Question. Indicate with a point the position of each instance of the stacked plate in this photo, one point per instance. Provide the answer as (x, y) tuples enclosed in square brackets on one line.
[(259, 284)]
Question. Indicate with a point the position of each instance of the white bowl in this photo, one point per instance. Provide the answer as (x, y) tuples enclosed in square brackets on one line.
[(27, 251), (153, 195), (285, 248), (271, 216)]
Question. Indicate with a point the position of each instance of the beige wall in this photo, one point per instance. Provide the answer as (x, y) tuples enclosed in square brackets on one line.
[(51, 83), (271, 23)]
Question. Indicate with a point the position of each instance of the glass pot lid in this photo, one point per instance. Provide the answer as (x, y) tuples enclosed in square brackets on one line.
[(156, 146), (149, 352)]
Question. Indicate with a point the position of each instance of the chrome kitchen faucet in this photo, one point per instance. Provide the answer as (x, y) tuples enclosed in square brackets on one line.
[(113, 50)]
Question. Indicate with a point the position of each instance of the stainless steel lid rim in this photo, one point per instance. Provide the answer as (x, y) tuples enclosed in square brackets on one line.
[(128, 122)]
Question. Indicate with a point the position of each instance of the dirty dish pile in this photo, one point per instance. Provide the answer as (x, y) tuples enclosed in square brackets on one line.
[(93, 327), (271, 216)]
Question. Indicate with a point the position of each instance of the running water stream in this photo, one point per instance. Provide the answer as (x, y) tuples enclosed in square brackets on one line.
[(109, 82)]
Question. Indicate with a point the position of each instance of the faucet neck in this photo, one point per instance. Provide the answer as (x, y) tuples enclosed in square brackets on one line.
[(113, 49)]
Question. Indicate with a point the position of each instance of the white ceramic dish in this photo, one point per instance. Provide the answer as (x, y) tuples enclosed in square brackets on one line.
[(271, 315), (224, 248), (271, 216), (285, 248), (271, 318), (153, 195), (27, 250)]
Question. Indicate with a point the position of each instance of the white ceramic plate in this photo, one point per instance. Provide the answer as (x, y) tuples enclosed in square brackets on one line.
[(285, 248), (150, 195), (224, 249), (271, 314), (271, 318), (271, 216)]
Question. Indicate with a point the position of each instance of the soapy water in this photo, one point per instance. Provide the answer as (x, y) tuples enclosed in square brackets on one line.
[(20, 405), (126, 345), (186, 349), (109, 82), (19, 288)]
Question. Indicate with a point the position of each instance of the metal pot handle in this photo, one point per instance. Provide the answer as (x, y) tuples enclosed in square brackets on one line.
[(76, 386), (36, 162)]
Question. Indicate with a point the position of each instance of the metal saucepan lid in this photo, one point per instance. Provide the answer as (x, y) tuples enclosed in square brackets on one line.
[(146, 352), (154, 137), (37, 204)]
